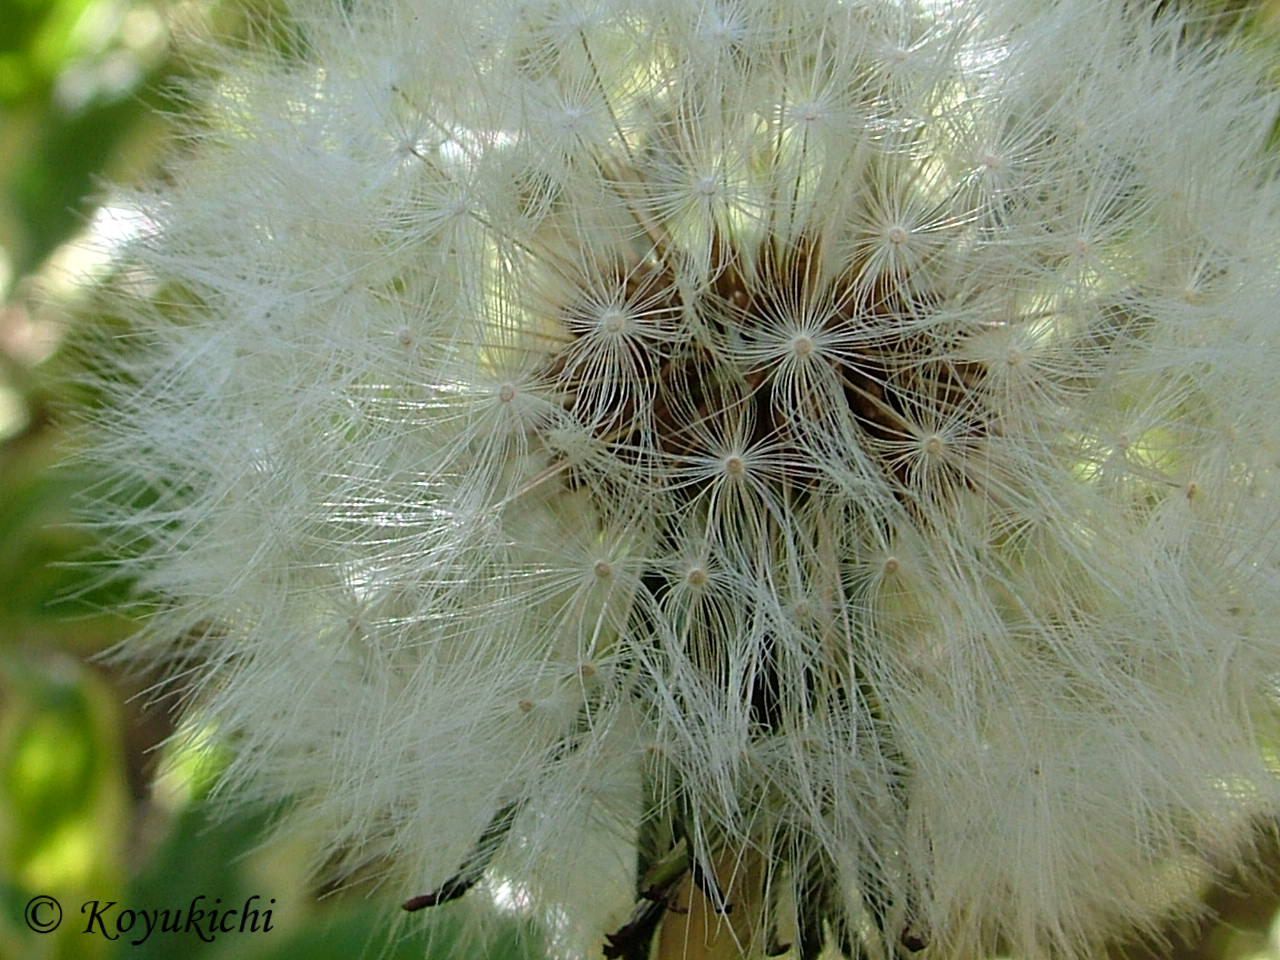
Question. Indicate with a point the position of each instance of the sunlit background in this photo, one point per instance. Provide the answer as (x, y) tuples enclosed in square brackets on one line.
[(100, 799)]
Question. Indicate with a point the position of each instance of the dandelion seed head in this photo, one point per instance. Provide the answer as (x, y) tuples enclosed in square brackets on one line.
[(833, 442)]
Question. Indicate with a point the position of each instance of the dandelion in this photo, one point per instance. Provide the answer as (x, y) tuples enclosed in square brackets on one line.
[(819, 453)]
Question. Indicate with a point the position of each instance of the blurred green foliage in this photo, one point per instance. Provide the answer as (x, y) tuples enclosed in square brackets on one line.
[(84, 88), (72, 77)]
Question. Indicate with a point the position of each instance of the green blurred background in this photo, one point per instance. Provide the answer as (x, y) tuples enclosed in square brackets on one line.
[(98, 800)]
